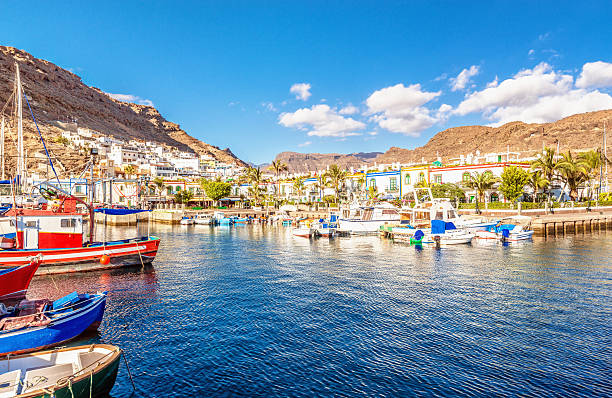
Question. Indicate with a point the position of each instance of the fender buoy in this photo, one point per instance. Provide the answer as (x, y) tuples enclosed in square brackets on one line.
[(104, 260)]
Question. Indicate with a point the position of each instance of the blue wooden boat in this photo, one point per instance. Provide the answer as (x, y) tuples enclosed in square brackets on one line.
[(37, 324)]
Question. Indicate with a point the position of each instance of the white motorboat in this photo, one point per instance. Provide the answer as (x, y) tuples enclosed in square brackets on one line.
[(511, 229), (203, 219), (368, 219), (304, 229), (187, 221)]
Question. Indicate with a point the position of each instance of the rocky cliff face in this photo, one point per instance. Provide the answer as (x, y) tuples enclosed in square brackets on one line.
[(59, 95), (306, 162), (577, 132)]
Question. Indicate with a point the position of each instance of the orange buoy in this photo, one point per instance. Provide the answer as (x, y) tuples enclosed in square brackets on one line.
[(104, 260)]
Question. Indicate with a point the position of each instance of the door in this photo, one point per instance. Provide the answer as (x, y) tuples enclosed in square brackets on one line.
[(30, 234)]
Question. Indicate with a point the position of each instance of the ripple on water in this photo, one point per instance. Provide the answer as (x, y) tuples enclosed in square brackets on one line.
[(254, 311)]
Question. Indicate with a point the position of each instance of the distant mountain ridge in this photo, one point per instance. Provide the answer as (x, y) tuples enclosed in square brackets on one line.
[(58, 94), (577, 132), (307, 162)]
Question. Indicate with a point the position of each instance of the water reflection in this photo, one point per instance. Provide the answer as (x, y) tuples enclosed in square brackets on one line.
[(256, 311)]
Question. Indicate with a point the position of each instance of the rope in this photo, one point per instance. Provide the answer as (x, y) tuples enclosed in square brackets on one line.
[(128, 369), (91, 384), (40, 134), (139, 255)]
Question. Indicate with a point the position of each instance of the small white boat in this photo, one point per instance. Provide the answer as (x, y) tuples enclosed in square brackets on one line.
[(457, 237), (83, 371), (203, 219), (368, 219), (511, 229), (304, 229), (187, 221)]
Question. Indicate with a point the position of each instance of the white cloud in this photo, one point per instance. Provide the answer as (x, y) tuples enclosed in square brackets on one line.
[(463, 78), (348, 110), (301, 91), (303, 144), (493, 83), (373, 133), (399, 109), (131, 98), (531, 52), (535, 95), (269, 106), (321, 120), (595, 74)]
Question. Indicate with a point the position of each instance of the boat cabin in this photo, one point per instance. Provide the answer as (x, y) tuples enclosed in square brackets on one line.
[(422, 214)]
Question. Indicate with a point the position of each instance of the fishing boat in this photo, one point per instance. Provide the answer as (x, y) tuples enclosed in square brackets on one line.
[(14, 281), (447, 234), (75, 372), (304, 229), (58, 236), (38, 324), (203, 219), (325, 228), (368, 219), (187, 221)]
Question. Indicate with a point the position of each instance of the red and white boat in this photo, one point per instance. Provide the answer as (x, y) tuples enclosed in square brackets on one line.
[(57, 236), (14, 281)]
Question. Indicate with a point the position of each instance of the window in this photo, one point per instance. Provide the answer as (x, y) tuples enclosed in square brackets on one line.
[(31, 224), (494, 197), (169, 189), (79, 189), (438, 179), (393, 183), (67, 223), (373, 182), (466, 177), (178, 188), (421, 177), (407, 179)]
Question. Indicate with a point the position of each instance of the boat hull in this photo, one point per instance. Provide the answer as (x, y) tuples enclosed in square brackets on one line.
[(96, 383), (360, 226), (14, 282), (60, 330), (57, 261)]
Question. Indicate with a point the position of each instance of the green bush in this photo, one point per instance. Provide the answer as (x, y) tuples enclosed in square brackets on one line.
[(497, 205), (469, 205)]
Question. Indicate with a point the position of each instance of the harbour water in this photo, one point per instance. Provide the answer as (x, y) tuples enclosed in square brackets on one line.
[(254, 311)]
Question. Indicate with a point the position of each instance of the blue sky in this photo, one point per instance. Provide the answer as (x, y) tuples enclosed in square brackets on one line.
[(367, 75)]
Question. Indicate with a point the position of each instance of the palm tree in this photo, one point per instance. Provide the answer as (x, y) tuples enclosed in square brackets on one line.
[(255, 178), (321, 184), (537, 182), (336, 179), (298, 186), (361, 183), (547, 164), (591, 161), (572, 172), (480, 182), (158, 183), (278, 166)]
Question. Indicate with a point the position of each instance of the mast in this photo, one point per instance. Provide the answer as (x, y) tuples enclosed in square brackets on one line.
[(2, 147), (605, 152), (20, 157)]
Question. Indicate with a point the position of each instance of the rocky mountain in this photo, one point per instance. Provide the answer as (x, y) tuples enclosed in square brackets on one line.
[(306, 162), (577, 132), (56, 94)]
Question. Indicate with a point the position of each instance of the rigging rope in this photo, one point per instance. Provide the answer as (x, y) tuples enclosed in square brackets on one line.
[(40, 134)]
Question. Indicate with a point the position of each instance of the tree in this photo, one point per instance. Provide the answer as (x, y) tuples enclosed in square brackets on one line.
[(373, 194), (591, 162), (336, 179), (547, 164), (447, 190), (321, 184), (298, 186), (361, 184), (278, 167), (536, 182), (215, 190), (129, 170), (513, 180), (158, 183), (255, 178), (480, 182), (183, 196), (572, 172)]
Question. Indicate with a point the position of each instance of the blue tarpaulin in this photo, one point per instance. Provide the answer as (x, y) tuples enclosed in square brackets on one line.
[(118, 212)]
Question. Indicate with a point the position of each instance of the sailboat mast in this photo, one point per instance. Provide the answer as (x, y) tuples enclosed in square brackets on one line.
[(2, 147), (20, 158), (605, 155)]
